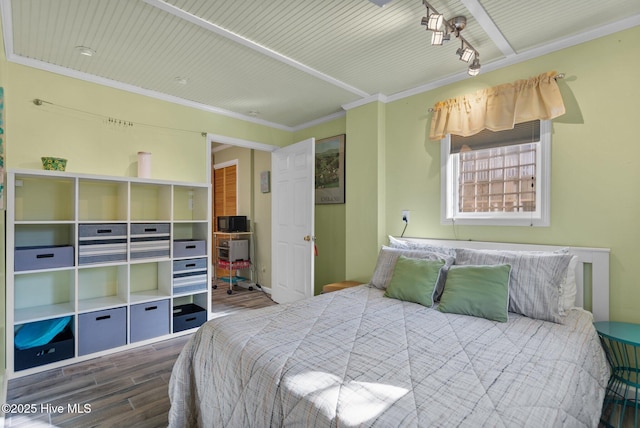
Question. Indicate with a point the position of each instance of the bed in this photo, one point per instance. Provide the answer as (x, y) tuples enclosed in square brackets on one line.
[(371, 356)]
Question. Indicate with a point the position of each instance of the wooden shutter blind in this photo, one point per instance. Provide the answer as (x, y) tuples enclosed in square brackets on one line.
[(224, 192), (224, 201)]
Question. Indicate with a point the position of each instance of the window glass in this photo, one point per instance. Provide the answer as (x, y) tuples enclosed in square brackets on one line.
[(498, 178)]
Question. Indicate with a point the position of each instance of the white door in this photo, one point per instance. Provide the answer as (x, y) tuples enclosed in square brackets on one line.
[(292, 217)]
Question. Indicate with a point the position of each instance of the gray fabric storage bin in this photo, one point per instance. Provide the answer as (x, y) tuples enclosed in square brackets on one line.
[(189, 275), (102, 330), (188, 316), (60, 348), (149, 320), (189, 248), (43, 257), (102, 243), (150, 240)]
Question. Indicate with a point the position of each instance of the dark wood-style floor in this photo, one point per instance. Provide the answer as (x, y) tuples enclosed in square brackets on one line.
[(125, 389)]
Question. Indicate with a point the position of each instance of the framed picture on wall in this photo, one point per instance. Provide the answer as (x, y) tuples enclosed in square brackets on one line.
[(330, 170)]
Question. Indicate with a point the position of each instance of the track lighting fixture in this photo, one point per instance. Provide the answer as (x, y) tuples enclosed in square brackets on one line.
[(435, 22)]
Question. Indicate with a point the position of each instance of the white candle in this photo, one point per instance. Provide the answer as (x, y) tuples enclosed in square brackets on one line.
[(144, 164)]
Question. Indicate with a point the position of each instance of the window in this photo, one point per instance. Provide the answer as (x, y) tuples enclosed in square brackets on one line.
[(498, 178)]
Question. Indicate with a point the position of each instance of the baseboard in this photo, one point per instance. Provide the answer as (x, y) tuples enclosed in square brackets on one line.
[(247, 284)]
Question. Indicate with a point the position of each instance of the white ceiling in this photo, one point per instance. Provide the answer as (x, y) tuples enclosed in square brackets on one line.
[(289, 63)]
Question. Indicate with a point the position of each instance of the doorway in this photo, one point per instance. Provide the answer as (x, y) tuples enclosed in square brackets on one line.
[(254, 159), (235, 175)]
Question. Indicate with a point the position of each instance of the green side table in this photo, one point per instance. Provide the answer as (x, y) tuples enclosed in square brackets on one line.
[(621, 343)]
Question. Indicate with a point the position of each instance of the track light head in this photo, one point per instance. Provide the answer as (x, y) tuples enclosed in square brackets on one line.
[(474, 68), (435, 22), (437, 38), (466, 54)]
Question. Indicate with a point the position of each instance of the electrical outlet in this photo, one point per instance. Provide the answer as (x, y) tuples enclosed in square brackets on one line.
[(405, 216)]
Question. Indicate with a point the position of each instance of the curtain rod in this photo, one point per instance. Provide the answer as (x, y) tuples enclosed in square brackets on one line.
[(557, 76)]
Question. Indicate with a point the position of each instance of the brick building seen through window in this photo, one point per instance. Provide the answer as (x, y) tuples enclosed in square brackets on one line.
[(498, 179)]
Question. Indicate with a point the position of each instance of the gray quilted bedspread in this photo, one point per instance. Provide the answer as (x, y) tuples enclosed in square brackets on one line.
[(356, 358)]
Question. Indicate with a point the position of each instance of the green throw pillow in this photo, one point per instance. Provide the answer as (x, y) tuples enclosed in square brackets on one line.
[(479, 291), (414, 280)]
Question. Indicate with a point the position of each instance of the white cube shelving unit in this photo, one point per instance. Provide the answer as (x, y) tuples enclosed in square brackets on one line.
[(47, 209)]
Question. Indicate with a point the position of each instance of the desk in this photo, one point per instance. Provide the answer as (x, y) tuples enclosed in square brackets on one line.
[(621, 342)]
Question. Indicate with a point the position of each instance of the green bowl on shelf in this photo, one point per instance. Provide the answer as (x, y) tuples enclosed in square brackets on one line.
[(53, 164)]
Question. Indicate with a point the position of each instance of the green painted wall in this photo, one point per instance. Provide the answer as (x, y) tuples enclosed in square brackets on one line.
[(261, 220), (75, 128), (365, 178), (595, 173)]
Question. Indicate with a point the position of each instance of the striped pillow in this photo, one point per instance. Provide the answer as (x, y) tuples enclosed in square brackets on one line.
[(422, 246), (535, 283), (388, 257)]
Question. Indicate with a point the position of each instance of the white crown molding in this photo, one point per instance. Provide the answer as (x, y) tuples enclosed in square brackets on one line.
[(239, 142), (381, 98), (221, 148), (567, 42), (320, 121), (140, 91), (225, 164)]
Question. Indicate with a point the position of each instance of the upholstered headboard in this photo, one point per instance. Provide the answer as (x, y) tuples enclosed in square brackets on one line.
[(592, 270)]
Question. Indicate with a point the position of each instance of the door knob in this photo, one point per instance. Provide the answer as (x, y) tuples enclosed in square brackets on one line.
[(307, 238)]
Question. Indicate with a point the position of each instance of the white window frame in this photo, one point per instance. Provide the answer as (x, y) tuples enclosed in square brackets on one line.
[(450, 214)]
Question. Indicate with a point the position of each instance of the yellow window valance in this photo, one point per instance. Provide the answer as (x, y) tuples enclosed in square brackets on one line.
[(498, 108)]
